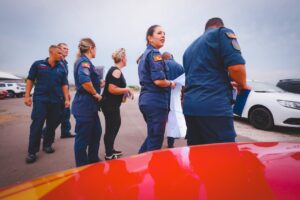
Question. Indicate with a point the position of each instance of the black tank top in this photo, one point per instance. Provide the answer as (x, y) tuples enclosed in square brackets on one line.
[(112, 101)]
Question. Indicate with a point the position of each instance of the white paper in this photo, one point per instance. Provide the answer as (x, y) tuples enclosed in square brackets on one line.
[(176, 126)]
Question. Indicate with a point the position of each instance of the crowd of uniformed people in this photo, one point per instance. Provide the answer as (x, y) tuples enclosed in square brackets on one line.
[(213, 66)]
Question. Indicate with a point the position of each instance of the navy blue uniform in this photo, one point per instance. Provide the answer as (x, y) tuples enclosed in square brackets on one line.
[(85, 110), (47, 101), (65, 122), (175, 70), (153, 100), (208, 92), (66, 114)]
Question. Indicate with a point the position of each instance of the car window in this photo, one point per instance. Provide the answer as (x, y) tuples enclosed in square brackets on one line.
[(2, 85), (9, 84), (264, 87)]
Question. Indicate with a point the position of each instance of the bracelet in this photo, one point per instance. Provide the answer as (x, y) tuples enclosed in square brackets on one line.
[(170, 83)]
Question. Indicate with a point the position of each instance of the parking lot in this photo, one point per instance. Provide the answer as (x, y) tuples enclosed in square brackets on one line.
[(14, 132)]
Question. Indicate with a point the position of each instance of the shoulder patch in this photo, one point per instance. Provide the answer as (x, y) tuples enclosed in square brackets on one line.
[(157, 58), (231, 35), (85, 64), (86, 71), (236, 45)]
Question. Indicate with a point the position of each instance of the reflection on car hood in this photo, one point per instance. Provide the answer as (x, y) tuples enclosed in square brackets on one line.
[(219, 171), (281, 95)]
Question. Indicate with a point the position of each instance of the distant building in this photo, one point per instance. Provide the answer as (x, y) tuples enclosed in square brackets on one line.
[(9, 78)]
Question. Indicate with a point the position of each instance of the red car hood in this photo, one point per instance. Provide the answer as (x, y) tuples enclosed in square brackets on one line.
[(218, 171)]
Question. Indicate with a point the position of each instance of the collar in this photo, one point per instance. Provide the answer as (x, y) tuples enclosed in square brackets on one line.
[(47, 62), (213, 28), (149, 46), (64, 61)]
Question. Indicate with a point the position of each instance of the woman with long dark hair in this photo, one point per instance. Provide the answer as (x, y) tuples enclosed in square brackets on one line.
[(155, 89)]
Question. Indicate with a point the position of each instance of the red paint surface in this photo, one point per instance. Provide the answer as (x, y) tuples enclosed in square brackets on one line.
[(222, 171)]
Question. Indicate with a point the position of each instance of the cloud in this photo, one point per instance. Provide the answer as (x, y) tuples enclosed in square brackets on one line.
[(267, 30)]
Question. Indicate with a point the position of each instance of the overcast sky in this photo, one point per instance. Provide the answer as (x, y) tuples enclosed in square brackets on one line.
[(268, 31)]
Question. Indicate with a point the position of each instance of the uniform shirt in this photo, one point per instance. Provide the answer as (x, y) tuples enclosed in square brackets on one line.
[(112, 101), (84, 104), (49, 81), (208, 91), (175, 69), (151, 68), (65, 64)]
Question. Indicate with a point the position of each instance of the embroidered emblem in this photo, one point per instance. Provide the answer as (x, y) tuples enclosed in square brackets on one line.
[(42, 67), (157, 58), (236, 45), (86, 71), (231, 35), (85, 64)]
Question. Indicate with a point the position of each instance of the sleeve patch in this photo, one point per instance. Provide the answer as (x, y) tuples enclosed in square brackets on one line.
[(86, 71), (157, 58), (236, 45), (85, 64), (231, 35)]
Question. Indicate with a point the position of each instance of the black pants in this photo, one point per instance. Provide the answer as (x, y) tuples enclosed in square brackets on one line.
[(171, 142), (112, 126)]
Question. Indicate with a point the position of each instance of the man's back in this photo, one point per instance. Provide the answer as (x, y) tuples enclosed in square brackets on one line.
[(208, 89)]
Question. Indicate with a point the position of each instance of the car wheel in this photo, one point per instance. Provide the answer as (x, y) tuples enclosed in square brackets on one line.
[(261, 118), (11, 94)]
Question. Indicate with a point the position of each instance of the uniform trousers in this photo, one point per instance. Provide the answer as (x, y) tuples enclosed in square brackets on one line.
[(87, 140), (41, 112), (209, 129), (65, 122), (156, 119)]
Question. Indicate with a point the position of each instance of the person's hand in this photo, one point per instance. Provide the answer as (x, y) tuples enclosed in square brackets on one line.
[(69, 97), (172, 85), (241, 88), (67, 103), (234, 84), (130, 94), (27, 101), (97, 96)]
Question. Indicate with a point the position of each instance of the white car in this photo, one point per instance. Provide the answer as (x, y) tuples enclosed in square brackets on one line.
[(267, 105), (13, 89)]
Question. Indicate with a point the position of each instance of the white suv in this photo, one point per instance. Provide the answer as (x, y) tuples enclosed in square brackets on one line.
[(13, 89)]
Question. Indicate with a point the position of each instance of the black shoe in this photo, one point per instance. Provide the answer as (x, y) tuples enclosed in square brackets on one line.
[(49, 149), (67, 136), (31, 158), (117, 153), (112, 157)]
